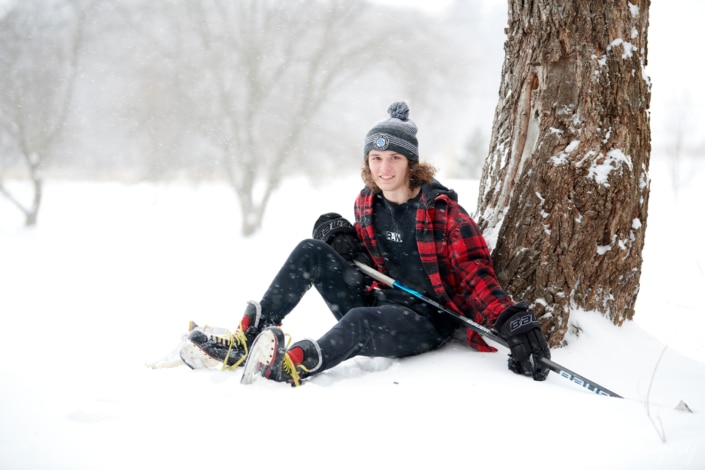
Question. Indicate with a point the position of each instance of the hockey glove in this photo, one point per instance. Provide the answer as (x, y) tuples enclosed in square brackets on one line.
[(335, 230), (519, 326)]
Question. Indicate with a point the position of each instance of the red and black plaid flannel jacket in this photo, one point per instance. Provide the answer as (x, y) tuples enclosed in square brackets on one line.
[(453, 251)]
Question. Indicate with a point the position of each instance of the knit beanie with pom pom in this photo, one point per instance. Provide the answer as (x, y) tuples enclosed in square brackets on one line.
[(398, 133)]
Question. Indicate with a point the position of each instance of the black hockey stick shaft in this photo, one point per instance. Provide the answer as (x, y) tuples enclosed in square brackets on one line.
[(484, 331)]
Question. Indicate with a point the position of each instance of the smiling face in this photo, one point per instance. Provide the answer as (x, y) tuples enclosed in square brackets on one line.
[(390, 172)]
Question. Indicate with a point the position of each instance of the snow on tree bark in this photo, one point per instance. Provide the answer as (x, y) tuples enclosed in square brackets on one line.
[(564, 193)]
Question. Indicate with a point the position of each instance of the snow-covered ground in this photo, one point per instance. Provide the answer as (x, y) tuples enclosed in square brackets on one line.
[(112, 274)]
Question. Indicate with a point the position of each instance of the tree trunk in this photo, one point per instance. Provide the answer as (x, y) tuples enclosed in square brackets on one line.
[(564, 193)]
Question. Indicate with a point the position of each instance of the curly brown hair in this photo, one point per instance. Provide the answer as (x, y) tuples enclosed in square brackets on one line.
[(419, 173)]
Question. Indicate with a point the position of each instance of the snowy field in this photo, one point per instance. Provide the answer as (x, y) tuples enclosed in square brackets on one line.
[(112, 274)]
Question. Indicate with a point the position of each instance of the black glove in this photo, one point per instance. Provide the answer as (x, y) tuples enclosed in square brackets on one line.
[(519, 326), (335, 230)]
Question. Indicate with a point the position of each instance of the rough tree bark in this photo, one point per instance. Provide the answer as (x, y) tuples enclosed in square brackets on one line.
[(564, 193)]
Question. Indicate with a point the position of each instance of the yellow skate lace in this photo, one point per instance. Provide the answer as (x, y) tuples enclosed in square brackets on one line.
[(231, 339), (237, 338), (290, 368)]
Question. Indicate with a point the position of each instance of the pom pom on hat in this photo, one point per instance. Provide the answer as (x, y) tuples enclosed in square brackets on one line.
[(397, 133), (399, 110)]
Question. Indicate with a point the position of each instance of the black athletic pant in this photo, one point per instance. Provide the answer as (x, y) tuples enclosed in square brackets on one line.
[(365, 326)]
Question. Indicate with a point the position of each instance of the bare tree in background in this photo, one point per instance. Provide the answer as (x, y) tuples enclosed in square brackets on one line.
[(678, 146), (38, 66), (565, 188), (268, 69), (250, 87), (251, 91)]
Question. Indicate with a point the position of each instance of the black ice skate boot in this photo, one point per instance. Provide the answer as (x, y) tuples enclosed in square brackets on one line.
[(270, 358), (205, 349)]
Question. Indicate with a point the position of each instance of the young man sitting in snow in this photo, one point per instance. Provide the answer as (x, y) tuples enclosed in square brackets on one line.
[(407, 225)]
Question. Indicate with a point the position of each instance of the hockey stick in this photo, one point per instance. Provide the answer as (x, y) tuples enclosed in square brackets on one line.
[(476, 327)]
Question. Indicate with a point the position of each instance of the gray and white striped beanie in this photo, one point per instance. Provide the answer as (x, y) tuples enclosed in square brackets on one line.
[(398, 133)]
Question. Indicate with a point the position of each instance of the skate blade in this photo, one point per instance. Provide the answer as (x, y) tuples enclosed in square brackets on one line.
[(261, 355), (195, 358)]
